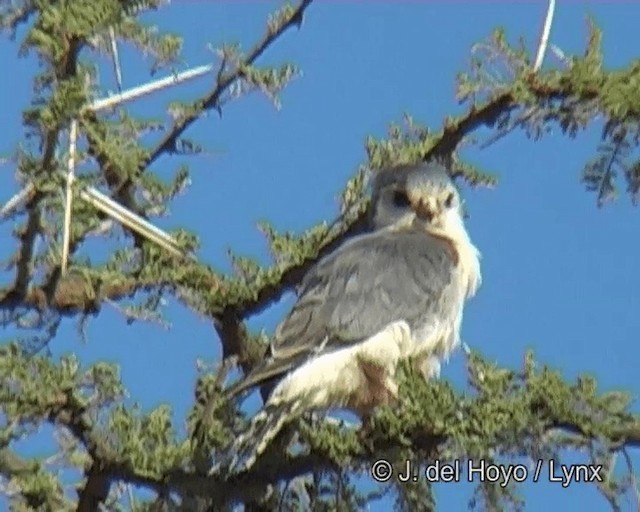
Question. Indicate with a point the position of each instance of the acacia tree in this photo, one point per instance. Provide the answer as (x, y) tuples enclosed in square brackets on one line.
[(526, 412)]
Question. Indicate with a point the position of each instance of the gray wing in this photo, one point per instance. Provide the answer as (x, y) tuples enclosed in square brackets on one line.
[(354, 292)]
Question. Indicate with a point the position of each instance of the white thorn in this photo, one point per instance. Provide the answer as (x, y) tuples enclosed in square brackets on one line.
[(149, 87), (15, 201), (131, 220), (544, 37), (73, 133), (115, 57)]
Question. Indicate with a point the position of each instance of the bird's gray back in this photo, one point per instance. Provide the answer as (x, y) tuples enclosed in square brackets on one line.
[(366, 284)]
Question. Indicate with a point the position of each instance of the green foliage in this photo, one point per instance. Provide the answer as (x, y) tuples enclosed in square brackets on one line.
[(407, 146), (270, 81), (412, 143), (572, 98), (504, 416)]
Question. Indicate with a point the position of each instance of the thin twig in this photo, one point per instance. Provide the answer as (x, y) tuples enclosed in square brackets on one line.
[(142, 316), (523, 118), (115, 210), (131, 497), (224, 82), (560, 55), (544, 37), (632, 478), (73, 134), (107, 205)]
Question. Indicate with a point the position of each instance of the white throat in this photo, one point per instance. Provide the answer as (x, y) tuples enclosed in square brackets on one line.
[(469, 255)]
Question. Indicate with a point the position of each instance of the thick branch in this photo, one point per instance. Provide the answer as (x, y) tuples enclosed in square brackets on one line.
[(72, 298), (388, 433), (221, 490), (628, 436), (95, 490), (453, 132), (72, 295)]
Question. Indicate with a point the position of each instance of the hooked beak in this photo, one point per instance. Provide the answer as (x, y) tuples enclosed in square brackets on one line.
[(424, 210)]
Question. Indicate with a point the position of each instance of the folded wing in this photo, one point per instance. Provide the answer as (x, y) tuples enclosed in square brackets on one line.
[(356, 291)]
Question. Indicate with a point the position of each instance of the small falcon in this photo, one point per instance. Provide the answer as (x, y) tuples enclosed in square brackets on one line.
[(393, 293)]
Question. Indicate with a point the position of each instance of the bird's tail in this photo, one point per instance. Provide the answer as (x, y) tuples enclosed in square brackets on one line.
[(264, 427)]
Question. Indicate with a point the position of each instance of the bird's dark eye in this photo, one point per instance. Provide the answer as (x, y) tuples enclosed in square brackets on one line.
[(400, 199), (449, 200)]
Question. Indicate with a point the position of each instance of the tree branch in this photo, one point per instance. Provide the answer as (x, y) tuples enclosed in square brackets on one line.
[(66, 296), (539, 403), (13, 297), (94, 491), (223, 83), (282, 468), (71, 295)]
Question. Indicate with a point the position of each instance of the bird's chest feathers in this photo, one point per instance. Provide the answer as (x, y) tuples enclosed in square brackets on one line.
[(466, 260)]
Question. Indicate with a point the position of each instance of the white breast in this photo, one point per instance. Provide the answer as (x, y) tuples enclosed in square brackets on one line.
[(441, 336)]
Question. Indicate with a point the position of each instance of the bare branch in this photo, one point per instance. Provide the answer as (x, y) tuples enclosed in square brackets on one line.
[(224, 82), (143, 316), (94, 491), (278, 469)]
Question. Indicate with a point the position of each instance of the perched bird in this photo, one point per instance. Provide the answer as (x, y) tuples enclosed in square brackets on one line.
[(392, 293)]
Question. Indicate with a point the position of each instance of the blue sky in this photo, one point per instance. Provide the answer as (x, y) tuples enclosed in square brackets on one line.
[(559, 273)]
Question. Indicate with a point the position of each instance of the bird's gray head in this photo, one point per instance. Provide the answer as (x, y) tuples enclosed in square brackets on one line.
[(424, 197), (420, 196)]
